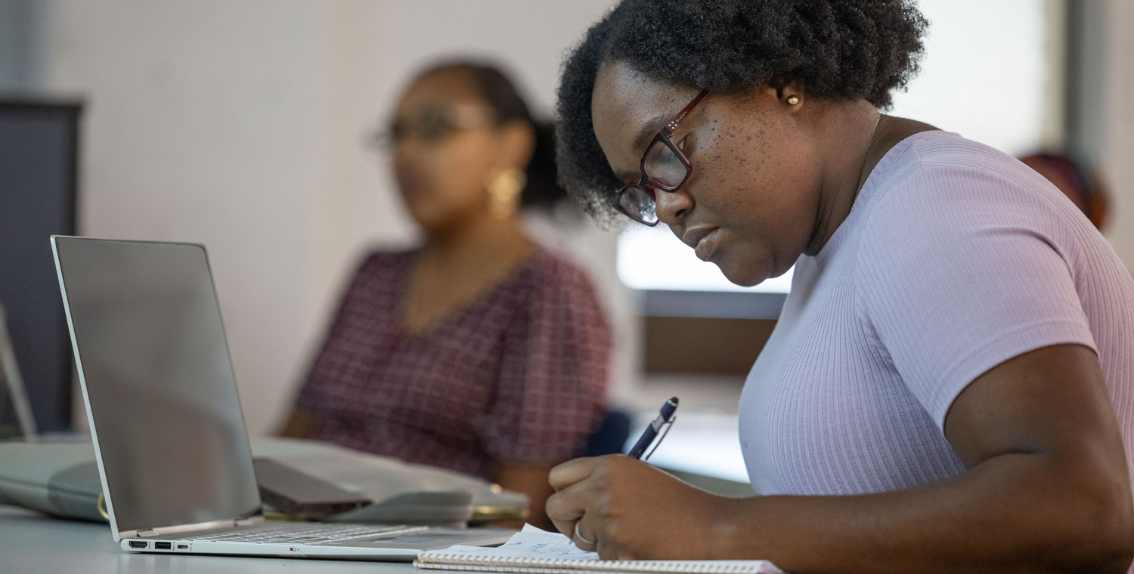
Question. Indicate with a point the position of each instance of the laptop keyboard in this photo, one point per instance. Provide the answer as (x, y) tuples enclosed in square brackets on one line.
[(306, 533)]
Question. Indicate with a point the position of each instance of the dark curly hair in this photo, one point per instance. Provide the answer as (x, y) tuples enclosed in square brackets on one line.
[(838, 49)]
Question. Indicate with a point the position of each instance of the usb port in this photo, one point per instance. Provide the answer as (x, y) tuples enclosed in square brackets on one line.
[(163, 546), (182, 546), (138, 543)]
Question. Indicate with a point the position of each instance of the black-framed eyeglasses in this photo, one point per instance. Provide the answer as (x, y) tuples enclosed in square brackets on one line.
[(664, 166)]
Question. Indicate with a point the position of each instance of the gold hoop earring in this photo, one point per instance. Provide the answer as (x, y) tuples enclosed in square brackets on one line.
[(792, 100), (504, 192)]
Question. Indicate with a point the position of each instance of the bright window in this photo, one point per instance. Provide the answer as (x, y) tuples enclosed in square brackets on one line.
[(654, 258), (984, 73)]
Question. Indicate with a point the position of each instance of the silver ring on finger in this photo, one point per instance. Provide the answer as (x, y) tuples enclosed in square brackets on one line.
[(580, 539)]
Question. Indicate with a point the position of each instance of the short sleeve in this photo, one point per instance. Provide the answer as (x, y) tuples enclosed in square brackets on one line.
[(960, 270), (553, 373)]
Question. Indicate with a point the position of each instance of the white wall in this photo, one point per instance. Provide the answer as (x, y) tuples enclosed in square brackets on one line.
[(1118, 139), (239, 124), (201, 125)]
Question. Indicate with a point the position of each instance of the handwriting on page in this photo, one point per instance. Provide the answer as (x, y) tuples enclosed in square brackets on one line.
[(529, 543), (536, 543)]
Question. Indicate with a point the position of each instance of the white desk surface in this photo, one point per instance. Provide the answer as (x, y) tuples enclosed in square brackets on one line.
[(32, 543)]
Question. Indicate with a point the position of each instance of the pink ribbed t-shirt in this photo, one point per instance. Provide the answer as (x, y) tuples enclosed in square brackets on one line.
[(954, 259)]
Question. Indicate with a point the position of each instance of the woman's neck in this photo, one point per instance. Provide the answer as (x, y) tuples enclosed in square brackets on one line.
[(476, 241), (458, 265), (855, 143)]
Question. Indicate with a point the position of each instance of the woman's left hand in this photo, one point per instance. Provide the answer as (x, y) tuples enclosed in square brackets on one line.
[(626, 509)]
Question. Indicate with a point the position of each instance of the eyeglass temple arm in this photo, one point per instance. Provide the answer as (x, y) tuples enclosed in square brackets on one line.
[(675, 122)]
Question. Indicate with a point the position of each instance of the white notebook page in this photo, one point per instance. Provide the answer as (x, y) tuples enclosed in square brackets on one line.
[(534, 544)]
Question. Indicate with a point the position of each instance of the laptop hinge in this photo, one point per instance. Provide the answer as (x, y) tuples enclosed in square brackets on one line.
[(183, 529)]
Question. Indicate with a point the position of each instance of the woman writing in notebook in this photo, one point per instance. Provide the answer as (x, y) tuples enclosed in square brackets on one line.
[(951, 384), (480, 352)]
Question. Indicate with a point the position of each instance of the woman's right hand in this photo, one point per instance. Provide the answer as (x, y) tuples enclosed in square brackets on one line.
[(626, 509)]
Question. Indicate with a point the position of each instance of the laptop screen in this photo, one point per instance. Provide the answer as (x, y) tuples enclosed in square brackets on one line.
[(158, 376)]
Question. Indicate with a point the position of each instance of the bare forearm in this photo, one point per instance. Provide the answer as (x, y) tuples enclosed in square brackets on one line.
[(298, 425), (530, 480), (1014, 513), (1046, 490)]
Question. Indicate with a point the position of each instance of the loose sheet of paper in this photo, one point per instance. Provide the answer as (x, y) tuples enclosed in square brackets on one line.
[(531, 542)]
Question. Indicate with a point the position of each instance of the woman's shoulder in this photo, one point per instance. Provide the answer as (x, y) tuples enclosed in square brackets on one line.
[(947, 150), (931, 170), (385, 260), (949, 161), (949, 195)]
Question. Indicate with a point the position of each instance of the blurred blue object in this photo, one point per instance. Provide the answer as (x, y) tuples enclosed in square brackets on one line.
[(611, 437)]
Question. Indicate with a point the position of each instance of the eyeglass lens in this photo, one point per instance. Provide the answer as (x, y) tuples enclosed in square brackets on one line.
[(638, 204), (429, 127), (663, 167), (664, 170)]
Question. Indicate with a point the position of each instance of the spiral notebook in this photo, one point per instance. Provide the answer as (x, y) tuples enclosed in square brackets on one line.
[(534, 551)]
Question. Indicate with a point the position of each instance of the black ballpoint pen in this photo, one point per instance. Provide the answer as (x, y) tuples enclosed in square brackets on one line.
[(651, 432)]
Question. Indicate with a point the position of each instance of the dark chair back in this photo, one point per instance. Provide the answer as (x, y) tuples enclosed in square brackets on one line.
[(610, 438)]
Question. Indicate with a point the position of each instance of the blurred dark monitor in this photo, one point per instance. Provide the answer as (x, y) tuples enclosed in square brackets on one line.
[(38, 173)]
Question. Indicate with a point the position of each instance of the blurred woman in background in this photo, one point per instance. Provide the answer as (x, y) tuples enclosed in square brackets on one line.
[(481, 351)]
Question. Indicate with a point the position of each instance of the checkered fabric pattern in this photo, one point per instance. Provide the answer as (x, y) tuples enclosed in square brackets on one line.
[(518, 376)]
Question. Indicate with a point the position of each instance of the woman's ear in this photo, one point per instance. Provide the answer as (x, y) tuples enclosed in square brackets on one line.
[(517, 144), (790, 94)]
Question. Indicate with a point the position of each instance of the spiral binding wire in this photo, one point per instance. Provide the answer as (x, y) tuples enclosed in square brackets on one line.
[(558, 565)]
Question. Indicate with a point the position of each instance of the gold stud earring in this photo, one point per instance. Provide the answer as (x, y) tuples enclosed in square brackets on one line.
[(504, 189), (792, 100)]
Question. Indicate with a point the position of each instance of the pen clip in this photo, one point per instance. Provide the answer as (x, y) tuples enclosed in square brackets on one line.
[(668, 425)]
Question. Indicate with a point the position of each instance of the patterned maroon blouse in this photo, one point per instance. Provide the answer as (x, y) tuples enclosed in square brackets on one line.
[(519, 375)]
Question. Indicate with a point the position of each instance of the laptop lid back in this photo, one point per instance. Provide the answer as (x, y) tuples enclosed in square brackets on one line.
[(158, 383)]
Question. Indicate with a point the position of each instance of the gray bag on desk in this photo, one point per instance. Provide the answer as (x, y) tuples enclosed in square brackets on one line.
[(62, 479)]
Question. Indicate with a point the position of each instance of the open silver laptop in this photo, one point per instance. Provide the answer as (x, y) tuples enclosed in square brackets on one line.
[(165, 417)]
